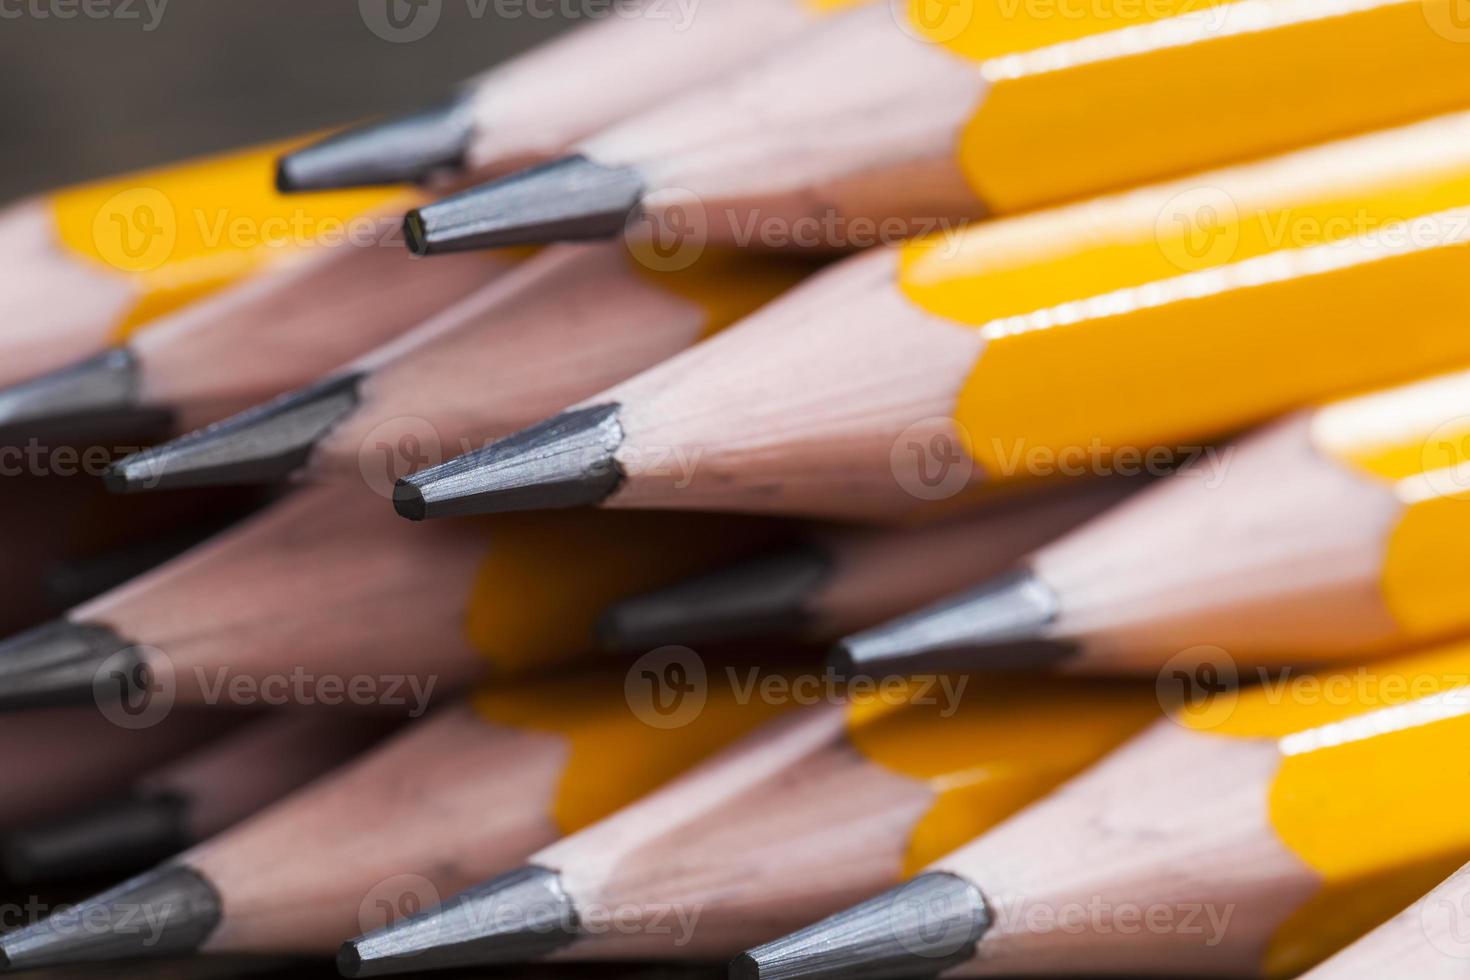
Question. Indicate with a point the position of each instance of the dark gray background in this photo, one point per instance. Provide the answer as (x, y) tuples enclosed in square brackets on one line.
[(87, 97)]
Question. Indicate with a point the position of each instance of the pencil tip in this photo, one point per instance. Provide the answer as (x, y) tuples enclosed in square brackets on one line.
[(58, 664), (99, 386), (570, 199), (566, 461), (1009, 615), (763, 597), (265, 444), (518, 917), (402, 150), (167, 912), (919, 929), (121, 835)]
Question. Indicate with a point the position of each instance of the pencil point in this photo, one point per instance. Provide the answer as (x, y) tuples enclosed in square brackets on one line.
[(518, 917), (566, 461), (124, 834), (758, 598), (402, 150), (570, 199), (265, 444), (1010, 616), (96, 387), (167, 912), (57, 664), (919, 929)]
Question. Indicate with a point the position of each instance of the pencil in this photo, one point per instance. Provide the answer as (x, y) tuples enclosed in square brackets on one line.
[(87, 266), (314, 601), (836, 580), (1253, 833), (189, 799), (808, 814), (1426, 940), (1073, 341), (1327, 533), (333, 298), (893, 119), (562, 326), (468, 792), (58, 761), (537, 104)]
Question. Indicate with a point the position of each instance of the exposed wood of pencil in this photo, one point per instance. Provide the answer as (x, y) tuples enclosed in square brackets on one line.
[(322, 582), (241, 772), (440, 807), (780, 427), (570, 322), (538, 103), (1172, 820), (803, 131), (57, 761), (883, 573), (1280, 550), (1426, 941), (57, 309), (287, 327), (690, 845)]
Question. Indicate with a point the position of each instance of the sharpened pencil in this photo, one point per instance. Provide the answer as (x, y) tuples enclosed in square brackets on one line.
[(1253, 833), (189, 799), (314, 601), (905, 118), (564, 325), (468, 792), (836, 579), (88, 266), (540, 102), (810, 813), (1063, 342), (1332, 532)]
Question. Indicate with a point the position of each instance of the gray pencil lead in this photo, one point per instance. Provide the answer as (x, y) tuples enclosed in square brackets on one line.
[(571, 199), (759, 598), (919, 929), (518, 917), (167, 912), (1009, 618), (61, 663), (117, 836), (265, 444), (566, 461), (402, 150), (98, 386)]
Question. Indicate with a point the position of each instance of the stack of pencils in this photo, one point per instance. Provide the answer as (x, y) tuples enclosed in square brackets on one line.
[(833, 490)]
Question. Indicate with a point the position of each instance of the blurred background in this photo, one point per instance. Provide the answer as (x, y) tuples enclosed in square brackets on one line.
[(97, 87)]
